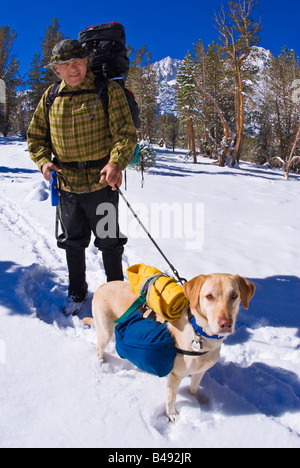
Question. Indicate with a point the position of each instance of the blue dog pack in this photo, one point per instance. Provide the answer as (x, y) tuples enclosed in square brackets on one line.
[(148, 344)]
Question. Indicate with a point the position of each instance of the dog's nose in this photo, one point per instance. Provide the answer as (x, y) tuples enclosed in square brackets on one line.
[(225, 325)]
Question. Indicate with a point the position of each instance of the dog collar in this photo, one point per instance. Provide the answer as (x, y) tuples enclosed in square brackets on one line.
[(199, 344), (199, 330), (191, 353)]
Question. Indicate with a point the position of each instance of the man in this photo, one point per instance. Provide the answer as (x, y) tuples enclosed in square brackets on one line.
[(90, 154)]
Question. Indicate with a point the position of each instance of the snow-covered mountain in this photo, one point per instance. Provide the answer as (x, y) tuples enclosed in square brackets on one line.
[(166, 73), (261, 59), (166, 69)]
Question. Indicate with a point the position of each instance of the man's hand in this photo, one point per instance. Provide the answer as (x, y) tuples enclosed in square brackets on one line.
[(47, 169), (112, 174)]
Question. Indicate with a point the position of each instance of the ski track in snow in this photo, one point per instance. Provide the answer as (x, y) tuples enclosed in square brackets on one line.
[(246, 382), (47, 277), (23, 226)]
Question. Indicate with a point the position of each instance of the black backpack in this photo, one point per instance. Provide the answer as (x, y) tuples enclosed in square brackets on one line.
[(107, 44)]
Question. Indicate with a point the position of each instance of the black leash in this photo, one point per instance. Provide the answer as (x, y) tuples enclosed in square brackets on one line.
[(181, 280)]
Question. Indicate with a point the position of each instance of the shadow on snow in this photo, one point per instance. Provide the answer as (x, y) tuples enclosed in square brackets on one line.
[(258, 388)]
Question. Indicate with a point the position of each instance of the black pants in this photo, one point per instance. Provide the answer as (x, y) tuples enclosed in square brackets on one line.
[(80, 216)]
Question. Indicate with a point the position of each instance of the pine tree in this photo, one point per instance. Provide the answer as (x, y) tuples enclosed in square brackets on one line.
[(187, 98), (52, 37), (265, 137), (142, 81), (168, 129), (149, 115), (9, 73), (215, 107), (280, 113), (36, 83), (39, 77), (238, 33)]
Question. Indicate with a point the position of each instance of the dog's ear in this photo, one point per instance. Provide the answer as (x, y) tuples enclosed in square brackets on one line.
[(192, 290), (247, 290)]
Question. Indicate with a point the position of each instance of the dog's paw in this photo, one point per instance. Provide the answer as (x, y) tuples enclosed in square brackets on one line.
[(173, 417), (100, 354), (202, 399)]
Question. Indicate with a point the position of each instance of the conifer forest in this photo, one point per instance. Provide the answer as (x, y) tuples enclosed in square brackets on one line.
[(230, 100)]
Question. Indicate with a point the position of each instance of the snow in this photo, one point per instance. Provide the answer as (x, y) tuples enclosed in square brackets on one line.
[(166, 73), (166, 69), (54, 392)]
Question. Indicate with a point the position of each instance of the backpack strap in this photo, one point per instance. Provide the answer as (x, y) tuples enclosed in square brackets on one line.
[(53, 93), (133, 107), (139, 302)]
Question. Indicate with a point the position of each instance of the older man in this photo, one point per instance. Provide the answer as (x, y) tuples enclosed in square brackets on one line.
[(89, 154)]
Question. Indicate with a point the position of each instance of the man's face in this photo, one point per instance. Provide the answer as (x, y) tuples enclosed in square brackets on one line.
[(73, 73)]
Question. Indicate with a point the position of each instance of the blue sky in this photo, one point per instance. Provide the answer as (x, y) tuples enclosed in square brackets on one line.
[(166, 27)]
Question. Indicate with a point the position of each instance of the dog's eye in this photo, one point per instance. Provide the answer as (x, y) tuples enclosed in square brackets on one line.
[(210, 297), (234, 295)]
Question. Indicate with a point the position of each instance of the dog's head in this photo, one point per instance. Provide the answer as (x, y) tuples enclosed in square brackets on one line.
[(217, 297)]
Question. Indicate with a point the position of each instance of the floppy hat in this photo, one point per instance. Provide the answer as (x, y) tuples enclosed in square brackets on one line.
[(67, 51)]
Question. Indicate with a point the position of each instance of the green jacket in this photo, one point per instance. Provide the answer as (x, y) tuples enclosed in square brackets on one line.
[(74, 137)]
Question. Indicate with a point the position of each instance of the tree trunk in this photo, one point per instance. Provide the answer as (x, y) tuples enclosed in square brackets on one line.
[(226, 128), (7, 120), (288, 165), (239, 116), (191, 140)]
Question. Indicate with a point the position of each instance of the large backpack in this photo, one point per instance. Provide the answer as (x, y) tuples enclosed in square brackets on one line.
[(107, 43)]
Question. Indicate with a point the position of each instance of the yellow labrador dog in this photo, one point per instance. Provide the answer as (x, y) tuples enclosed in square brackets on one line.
[(214, 301)]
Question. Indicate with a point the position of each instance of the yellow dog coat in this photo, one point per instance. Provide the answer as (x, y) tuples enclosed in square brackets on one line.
[(165, 296)]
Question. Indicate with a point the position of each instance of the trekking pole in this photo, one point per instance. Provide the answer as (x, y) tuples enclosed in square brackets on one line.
[(181, 280)]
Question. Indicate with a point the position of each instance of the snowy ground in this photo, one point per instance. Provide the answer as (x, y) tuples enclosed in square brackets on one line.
[(53, 390)]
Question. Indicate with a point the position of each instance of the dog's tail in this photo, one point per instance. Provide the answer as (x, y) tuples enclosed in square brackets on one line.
[(88, 321)]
